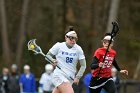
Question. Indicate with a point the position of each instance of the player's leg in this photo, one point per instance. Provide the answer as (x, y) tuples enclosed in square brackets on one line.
[(56, 90), (110, 86), (94, 85), (62, 83), (65, 87)]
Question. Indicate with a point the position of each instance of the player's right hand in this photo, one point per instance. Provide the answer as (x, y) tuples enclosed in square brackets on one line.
[(55, 63), (101, 64)]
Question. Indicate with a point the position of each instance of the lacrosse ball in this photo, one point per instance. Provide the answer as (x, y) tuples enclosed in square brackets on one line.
[(32, 46)]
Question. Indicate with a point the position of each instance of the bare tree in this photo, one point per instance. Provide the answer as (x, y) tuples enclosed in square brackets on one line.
[(22, 31), (112, 13), (5, 44), (136, 74)]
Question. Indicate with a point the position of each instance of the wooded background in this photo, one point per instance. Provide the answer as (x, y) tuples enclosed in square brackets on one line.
[(47, 20)]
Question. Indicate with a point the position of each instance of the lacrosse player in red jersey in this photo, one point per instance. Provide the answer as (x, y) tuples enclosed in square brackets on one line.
[(101, 76)]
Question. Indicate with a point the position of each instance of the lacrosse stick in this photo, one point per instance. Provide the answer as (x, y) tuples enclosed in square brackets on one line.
[(35, 48), (114, 32)]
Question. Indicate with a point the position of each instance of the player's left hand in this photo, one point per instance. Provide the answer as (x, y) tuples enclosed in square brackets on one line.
[(124, 71), (76, 81)]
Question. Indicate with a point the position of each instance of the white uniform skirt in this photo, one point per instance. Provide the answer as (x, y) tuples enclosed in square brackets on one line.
[(59, 77)]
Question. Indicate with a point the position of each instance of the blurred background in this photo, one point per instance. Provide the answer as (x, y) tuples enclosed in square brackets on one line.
[(47, 20)]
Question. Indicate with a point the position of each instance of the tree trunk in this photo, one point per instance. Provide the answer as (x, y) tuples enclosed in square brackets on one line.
[(5, 44), (112, 13), (137, 73), (22, 31)]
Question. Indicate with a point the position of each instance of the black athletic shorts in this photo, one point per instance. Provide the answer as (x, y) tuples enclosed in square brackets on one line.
[(96, 84)]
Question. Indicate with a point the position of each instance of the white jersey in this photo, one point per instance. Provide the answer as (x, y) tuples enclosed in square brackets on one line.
[(47, 82), (67, 57)]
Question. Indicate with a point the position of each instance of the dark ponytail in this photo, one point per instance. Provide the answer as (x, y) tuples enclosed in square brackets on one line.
[(107, 34), (70, 28)]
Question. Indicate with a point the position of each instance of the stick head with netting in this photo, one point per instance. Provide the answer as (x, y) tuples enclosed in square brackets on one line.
[(115, 29), (34, 47)]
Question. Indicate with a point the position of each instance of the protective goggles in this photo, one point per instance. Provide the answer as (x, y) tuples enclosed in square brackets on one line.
[(107, 41), (72, 38)]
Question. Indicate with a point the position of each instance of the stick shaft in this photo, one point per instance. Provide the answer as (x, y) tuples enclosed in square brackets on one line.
[(113, 34), (38, 50)]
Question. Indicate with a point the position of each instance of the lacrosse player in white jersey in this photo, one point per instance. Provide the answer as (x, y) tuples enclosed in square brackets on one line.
[(66, 55)]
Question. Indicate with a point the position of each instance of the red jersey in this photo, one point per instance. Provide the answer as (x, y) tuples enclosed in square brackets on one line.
[(106, 69)]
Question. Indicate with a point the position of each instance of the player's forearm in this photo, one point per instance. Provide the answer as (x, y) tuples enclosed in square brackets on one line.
[(94, 63), (116, 65), (50, 56), (82, 69)]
